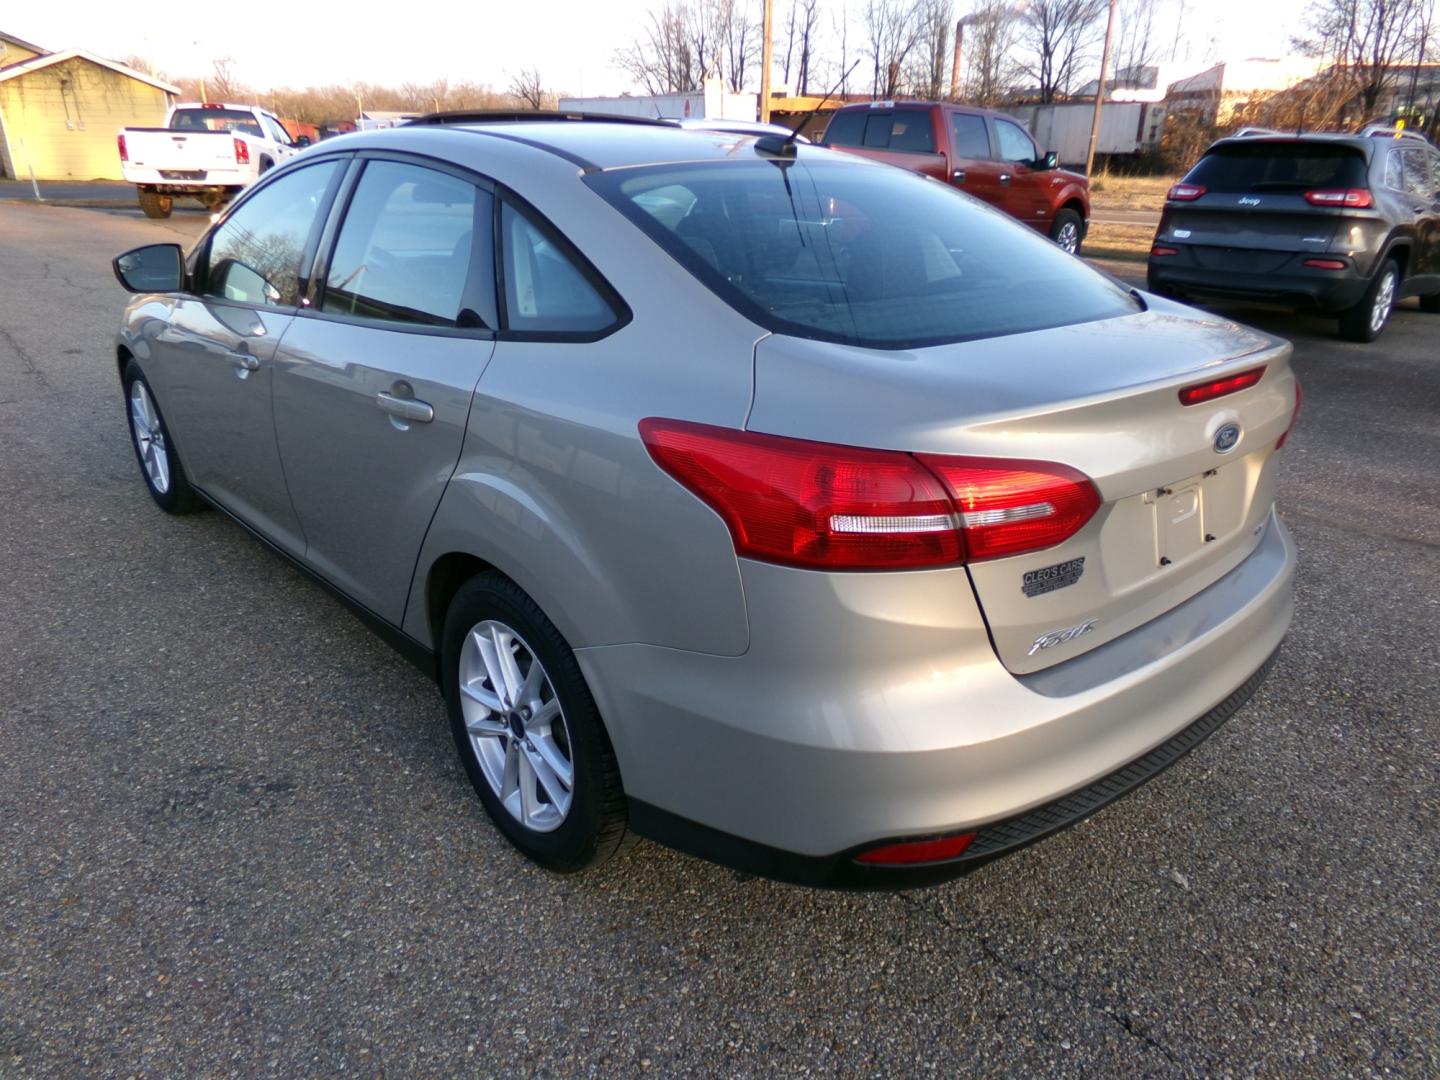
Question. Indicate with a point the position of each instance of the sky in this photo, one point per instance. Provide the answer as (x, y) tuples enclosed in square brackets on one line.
[(571, 42)]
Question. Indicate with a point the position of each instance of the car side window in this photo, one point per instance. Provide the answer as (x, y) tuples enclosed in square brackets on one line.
[(1417, 173), (277, 130), (1395, 171), (969, 135), (255, 256), (1015, 145), (546, 291), (405, 252)]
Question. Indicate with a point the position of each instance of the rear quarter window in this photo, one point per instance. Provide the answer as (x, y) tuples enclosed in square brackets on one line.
[(1271, 166)]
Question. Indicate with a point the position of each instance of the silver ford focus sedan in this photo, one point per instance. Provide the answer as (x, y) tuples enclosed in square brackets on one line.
[(795, 511)]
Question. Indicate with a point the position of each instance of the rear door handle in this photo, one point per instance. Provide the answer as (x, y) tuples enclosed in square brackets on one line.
[(243, 361), (418, 412)]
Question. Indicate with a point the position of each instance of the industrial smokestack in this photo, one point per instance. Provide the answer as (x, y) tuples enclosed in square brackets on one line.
[(956, 59)]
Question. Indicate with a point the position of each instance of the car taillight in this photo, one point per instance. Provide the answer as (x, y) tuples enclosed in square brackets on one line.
[(242, 152), (1007, 507), (1354, 198), (1159, 251), (825, 506), (911, 852), (1231, 384), (120, 142), (1185, 192), (1294, 416)]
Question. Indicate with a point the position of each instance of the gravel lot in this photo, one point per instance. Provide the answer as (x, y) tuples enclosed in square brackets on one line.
[(234, 838)]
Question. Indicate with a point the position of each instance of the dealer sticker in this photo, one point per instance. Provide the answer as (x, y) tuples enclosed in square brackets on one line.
[(1049, 578)]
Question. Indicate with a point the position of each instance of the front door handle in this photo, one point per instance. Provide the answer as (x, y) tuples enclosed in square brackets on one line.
[(243, 361), (958, 176), (1004, 178), (418, 412)]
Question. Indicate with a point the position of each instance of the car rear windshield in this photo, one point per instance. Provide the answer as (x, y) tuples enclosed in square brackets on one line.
[(237, 120), (906, 130), (1279, 166), (839, 250)]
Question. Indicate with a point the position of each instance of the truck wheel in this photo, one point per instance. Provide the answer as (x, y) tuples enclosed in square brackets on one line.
[(155, 205), (212, 200), (1068, 230)]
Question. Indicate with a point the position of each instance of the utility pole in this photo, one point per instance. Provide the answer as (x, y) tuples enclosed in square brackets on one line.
[(1100, 90), (766, 47)]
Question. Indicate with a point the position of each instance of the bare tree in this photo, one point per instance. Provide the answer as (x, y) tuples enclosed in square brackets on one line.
[(1136, 46), (222, 84), (988, 43), (1367, 36), (738, 38), (663, 59), (1059, 35), (934, 18), (801, 31), (529, 88), (891, 33)]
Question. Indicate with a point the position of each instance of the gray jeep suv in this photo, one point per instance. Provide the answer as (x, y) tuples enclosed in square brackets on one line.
[(788, 508), (1345, 225)]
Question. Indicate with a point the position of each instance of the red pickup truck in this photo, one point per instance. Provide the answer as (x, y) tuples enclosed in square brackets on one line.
[(987, 154)]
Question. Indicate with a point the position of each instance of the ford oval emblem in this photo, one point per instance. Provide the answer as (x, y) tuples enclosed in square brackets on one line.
[(1227, 438)]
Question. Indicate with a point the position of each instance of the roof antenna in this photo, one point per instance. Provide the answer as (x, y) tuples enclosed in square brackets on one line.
[(784, 146)]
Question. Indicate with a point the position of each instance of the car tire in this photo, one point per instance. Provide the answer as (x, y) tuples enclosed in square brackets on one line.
[(1431, 303), (516, 743), (155, 451), (1068, 231), (1367, 320), (156, 205)]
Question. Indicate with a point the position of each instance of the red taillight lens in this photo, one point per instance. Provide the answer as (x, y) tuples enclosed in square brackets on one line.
[(1354, 198), (1326, 264), (1231, 384), (1157, 251), (1007, 507), (1185, 193), (910, 852), (124, 153), (823, 506), (1294, 416), (242, 152), (811, 504)]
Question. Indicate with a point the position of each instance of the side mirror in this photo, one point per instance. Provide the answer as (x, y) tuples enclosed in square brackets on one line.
[(303, 140), (154, 268), (1050, 161)]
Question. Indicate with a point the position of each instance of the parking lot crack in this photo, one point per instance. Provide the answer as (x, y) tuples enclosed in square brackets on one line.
[(1115, 1013), (27, 362)]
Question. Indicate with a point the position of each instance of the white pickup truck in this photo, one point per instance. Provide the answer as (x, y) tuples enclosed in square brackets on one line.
[(206, 150)]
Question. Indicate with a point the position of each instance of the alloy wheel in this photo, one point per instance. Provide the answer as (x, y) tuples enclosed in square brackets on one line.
[(149, 437), (516, 726), (1384, 301), (1068, 239)]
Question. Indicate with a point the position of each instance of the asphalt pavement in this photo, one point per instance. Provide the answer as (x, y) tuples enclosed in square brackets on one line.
[(235, 839)]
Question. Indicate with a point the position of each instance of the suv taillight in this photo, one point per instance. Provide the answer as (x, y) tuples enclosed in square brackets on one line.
[(1185, 193), (242, 152), (1353, 198), (124, 153), (825, 506)]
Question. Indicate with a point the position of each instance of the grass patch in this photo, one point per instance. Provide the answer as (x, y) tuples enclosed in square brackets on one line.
[(1130, 242), (1109, 192)]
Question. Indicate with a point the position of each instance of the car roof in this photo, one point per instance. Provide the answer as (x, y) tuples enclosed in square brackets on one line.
[(953, 106), (1362, 143), (598, 143)]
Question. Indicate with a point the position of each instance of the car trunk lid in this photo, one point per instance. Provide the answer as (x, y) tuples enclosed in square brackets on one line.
[(1176, 513)]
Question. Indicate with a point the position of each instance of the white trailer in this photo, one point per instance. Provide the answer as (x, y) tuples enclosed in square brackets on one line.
[(714, 102), (1125, 127)]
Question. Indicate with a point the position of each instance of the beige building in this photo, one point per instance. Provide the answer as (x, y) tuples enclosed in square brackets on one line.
[(60, 112)]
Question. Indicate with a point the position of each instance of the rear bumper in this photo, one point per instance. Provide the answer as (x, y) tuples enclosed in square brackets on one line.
[(203, 180), (1292, 285), (790, 772)]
